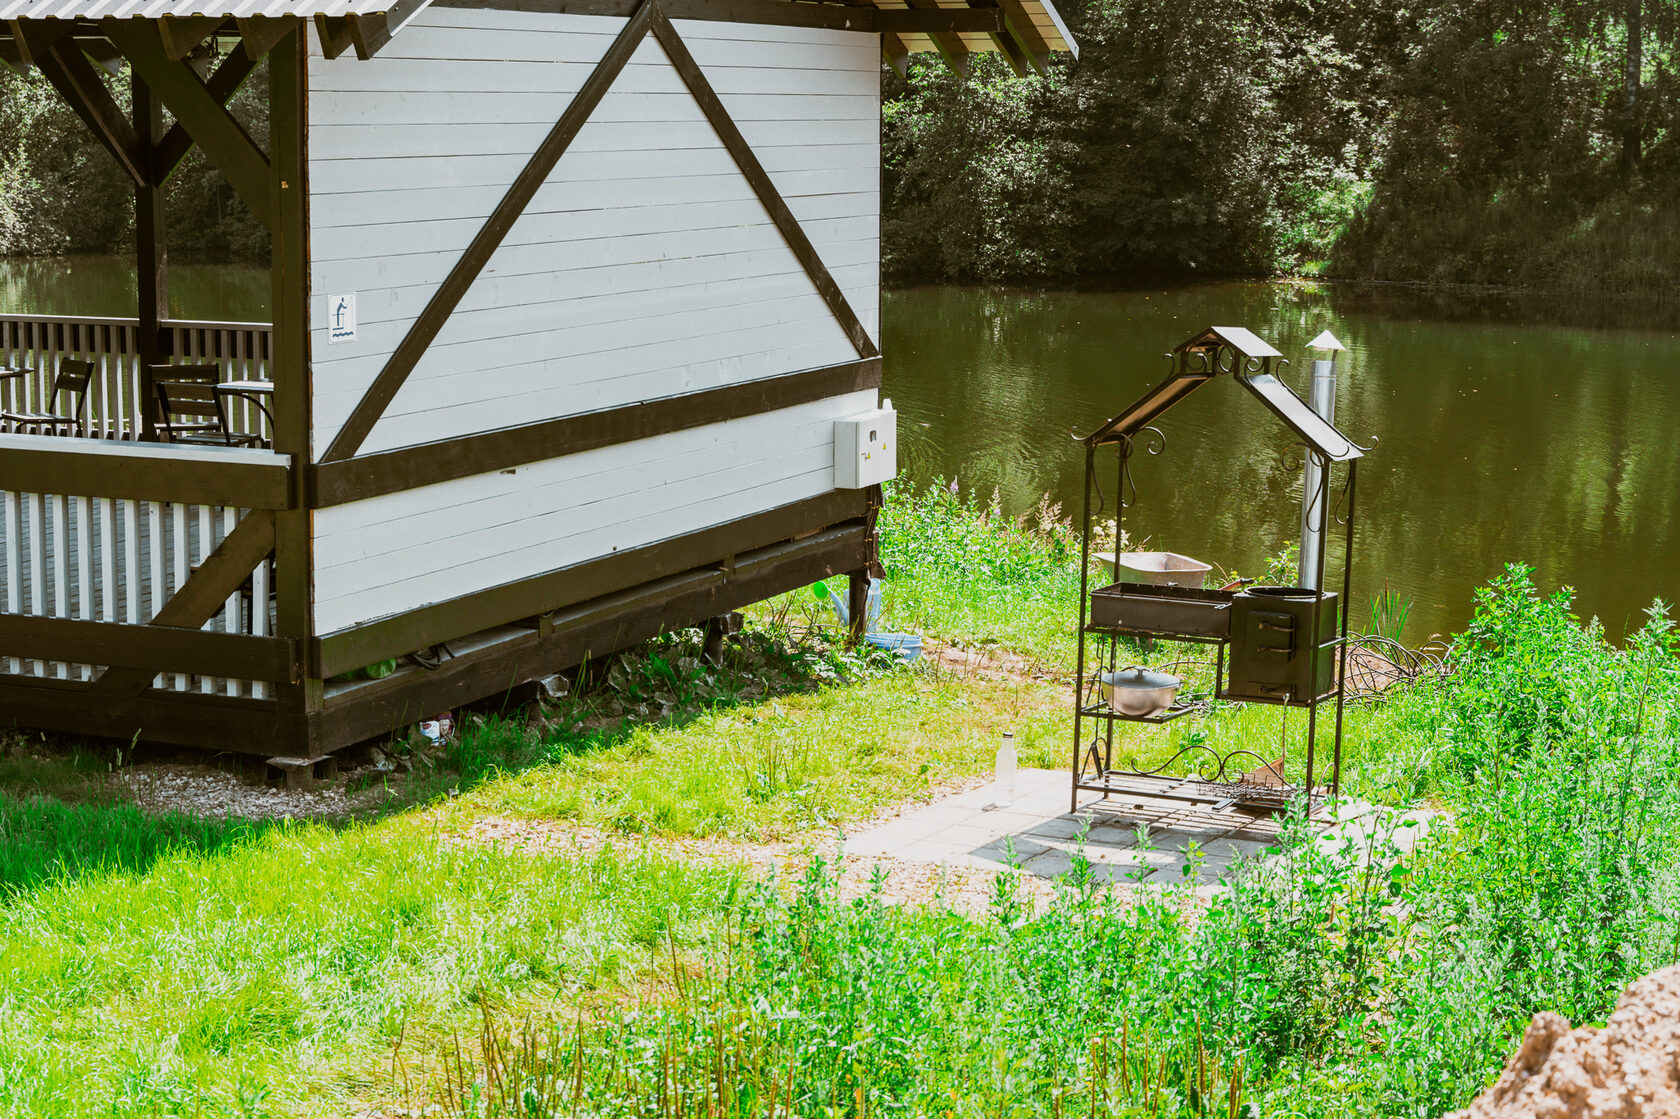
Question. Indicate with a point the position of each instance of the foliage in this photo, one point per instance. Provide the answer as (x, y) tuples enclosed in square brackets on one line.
[(772, 770), (61, 192), (1214, 136), (957, 568), (1505, 162), (1465, 141), (284, 969)]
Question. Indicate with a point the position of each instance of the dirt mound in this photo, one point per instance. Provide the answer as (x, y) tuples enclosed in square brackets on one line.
[(1627, 1070)]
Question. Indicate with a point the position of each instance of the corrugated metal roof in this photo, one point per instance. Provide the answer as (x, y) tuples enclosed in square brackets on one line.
[(156, 9), (1035, 18)]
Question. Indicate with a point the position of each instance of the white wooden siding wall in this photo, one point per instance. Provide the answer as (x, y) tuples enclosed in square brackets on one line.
[(645, 268), (426, 545)]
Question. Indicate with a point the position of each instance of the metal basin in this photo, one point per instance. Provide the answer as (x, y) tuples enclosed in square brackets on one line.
[(1163, 568), (1140, 691)]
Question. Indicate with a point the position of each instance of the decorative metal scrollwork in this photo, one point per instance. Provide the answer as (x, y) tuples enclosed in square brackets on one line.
[(1153, 445)]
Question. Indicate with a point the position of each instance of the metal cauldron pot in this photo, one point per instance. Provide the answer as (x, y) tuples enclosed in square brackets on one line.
[(1140, 692)]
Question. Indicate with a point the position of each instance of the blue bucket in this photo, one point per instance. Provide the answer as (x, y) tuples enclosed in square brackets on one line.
[(908, 646)]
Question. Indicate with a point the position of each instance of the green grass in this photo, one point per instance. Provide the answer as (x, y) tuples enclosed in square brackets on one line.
[(788, 764), (289, 965), (960, 571)]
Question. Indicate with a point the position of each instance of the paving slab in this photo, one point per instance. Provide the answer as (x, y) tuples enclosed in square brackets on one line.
[(1126, 838)]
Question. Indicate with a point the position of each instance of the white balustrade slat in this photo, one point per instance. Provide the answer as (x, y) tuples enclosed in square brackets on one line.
[(178, 522), (108, 548), (11, 509), (156, 581), (131, 562), (259, 617), (200, 552), (61, 569), (37, 572), (84, 569)]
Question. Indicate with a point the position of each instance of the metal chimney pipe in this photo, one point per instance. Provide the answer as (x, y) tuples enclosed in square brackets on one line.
[(1322, 399)]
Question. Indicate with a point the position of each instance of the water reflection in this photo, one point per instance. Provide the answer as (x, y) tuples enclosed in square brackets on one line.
[(105, 286), (1498, 438)]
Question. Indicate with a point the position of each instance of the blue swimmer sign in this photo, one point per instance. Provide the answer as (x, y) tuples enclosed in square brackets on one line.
[(341, 317)]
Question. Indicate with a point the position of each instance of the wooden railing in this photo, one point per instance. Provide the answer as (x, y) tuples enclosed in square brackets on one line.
[(114, 407), (79, 545)]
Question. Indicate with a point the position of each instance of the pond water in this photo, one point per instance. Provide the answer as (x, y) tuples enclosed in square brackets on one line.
[(105, 286), (1501, 434), (1499, 437)]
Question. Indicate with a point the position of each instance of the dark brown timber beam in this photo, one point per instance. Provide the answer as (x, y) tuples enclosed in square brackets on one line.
[(425, 464), (136, 477), (897, 54), (369, 34), (1006, 42), (1020, 28), (152, 648), (223, 84), (334, 33), (833, 17), (484, 244), (222, 139), (951, 48), (206, 591), (568, 586), (591, 630), (260, 33), (63, 64), (190, 719), (785, 222), (182, 34), (932, 20)]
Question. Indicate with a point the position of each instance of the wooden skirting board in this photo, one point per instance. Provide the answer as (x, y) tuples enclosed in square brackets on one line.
[(587, 631)]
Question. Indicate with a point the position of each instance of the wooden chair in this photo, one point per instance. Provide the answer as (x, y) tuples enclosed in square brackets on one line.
[(184, 375), (207, 419), (72, 379)]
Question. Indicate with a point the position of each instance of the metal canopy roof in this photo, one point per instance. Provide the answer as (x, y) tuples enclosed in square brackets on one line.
[(177, 9), (1247, 357), (1034, 24)]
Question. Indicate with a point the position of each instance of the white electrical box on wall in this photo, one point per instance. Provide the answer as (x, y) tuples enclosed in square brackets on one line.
[(866, 448)]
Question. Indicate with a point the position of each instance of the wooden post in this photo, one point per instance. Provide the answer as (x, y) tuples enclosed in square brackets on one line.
[(857, 606), (151, 249), (289, 273)]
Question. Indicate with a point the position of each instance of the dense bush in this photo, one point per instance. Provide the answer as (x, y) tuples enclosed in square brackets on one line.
[(1472, 141)]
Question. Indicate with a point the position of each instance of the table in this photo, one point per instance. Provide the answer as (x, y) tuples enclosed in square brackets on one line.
[(257, 392), (13, 373)]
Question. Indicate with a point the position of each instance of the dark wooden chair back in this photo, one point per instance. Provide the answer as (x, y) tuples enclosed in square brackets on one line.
[(193, 401), (74, 376), (71, 380), (187, 374)]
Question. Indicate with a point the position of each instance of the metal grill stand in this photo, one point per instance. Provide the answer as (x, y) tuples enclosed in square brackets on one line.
[(1271, 645)]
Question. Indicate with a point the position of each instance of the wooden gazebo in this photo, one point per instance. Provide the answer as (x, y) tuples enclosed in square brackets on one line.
[(569, 298)]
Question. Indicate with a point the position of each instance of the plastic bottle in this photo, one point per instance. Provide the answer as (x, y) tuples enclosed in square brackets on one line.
[(1003, 778)]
